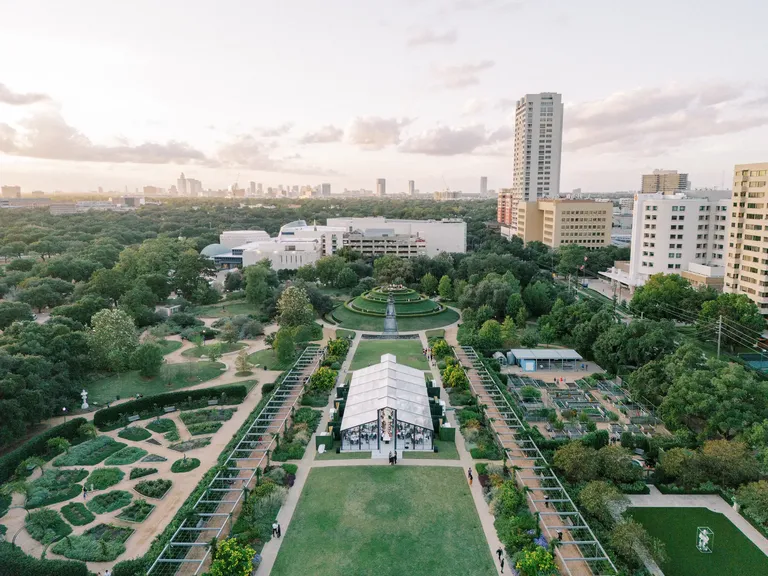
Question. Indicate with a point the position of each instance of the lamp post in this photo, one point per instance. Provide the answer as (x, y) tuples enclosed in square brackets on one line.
[(64, 410)]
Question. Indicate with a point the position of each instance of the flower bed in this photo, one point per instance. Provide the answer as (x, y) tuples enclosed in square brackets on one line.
[(103, 478), (46, 526), (127, 455), (141, 472), (77, 514), (201, 416), (204, 428), (89, 453), (191, 444), (135, 433), (161, 425), (136, 512), (153, 488), (102, 543), (55, 486), (185, 465), (154, 458), (109, 502), (296, 438)]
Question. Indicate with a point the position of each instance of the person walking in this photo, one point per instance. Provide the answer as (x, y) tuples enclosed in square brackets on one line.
[(279, 531), (469, 474), (546, 500), (85, 493), (391, 460), (274, 528), (499, 553), (395, 456), (502, 565)]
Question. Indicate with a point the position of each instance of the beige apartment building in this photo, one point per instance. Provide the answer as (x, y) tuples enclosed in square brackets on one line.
[(747, 268), (666, 181), (559, 222)]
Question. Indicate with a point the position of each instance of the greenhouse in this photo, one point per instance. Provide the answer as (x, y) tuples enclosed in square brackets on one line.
[(387, 408)]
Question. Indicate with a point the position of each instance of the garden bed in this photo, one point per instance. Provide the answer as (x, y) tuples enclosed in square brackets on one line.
[(154, 458), (193, 444), (102, 543), (156, 489), (55, 486), (109, 502), (103, 478), (127, 455), (141, 472), (136, 512), (184, 465), (161, 425), (77, 514), (212, 415), (134, 433), (89, 453), (296, 438), (46, 526)]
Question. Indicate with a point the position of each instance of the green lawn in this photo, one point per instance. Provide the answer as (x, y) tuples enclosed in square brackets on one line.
[(446, 451), (172, 377), (344, 334), (733, 554), (269, 359), (354, 321), (385, 521), (408, 352), (200, 351), (168, 346), (223, 309), (440, 333), (331, 455)]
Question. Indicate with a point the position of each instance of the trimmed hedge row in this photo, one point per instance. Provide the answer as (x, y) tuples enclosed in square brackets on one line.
[(14, 562), (37, 446), (113, 417)]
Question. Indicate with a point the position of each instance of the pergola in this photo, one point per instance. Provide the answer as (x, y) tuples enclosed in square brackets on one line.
[(387, 407)]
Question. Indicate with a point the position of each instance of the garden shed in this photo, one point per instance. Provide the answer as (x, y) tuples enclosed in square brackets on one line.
[(387, 408), (532, 359)]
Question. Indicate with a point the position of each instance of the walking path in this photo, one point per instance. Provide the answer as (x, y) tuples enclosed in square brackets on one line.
[(711, 501)]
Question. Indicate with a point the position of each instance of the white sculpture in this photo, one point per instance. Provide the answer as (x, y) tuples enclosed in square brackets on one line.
[(703, 542), (84, 396)]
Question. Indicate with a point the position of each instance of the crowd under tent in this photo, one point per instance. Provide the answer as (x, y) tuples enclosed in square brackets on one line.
[(532, 359), (387, 408)]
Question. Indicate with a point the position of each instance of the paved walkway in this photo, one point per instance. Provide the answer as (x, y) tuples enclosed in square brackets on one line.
[(712, 502)]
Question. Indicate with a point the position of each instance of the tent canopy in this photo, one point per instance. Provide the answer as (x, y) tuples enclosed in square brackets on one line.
[(545, 354), (387, 385)]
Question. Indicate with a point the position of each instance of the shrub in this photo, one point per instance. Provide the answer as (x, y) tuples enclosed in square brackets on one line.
[(136, 512), (154, 458), (172, 436), (46, 526), (233, 559), (102, 543), (77, 514), (200, 416), (54, 486), (153, 488), (149, 406), (191, 444), (13, 562), (127, 455), (267, 388), (108, 502), (134, 433), (161, 425), (185, 465), (90, 453), (37, 446), (323, 379), (204, 428), (290, 468), (141, 472), (103, 478)]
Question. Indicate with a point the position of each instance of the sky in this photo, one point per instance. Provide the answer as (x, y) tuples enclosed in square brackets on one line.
[(117, 94)]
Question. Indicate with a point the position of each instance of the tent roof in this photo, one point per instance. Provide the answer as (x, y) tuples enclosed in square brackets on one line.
[(545, 354), (387, 385)]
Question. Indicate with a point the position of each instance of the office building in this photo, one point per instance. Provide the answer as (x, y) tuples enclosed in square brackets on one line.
[(181, 185), (252, 188), (558, 222), (665, 181), (381, 187), (446, 195), (411, 188), (194, 188), (747, 266), (11, 191), (537, 155), (483, 185), (325, 190), (626, 204), (259, 189), (676, 233)]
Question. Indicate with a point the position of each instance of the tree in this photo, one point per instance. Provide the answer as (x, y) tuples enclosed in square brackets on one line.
[(233, 281), (139, 303), (661, 294), (445, 288), (628, 538), (110, 284), (11, 312), (242, 364), (232, 559), (192, 272), (727, 463), (599, 497), (13, 249), (87, 430), (307, 273), (347, 278), (21, 265), (258, 284), (538, 298), (547, 334), (147, 359), (490, 335), (328, 269), (294, 307), (429, 284), (577, 461), (40, 297), (571, 258), (112, 339), (441, 349), (213, 351), (529, 338), (392, 270), (536, 562), (615, 463), (323, 379), (753, 498), (739, 314), (58, 445), (83, 310), (521, 317), (284, 346), (508, 332), (229, 333)]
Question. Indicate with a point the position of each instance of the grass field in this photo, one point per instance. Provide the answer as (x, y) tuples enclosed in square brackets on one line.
[(344, 334), (269, 359), (172, 377), (225, 309), (445, 451), (733, 554), (385, 521), (440, 333), (226, 348), (408, 352), (331, 455), (354, 321), (168, 346)]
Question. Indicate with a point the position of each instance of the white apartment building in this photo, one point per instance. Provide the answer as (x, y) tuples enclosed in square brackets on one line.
[(411, 188), (381, 186), (538, 152), (677, 233), (747, 268), (440, 235)]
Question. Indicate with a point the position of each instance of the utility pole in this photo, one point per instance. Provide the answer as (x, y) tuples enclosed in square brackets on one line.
[(719, 333)]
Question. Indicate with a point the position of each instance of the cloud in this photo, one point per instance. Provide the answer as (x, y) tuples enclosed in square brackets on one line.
[(451, 141), (274, 131), (324, 135), (426, 36), (474, 106), (245, 151), (462, 75), (7, 96), (657, 120), (487, 5), (48, 136), (375, 133), (506, 104)]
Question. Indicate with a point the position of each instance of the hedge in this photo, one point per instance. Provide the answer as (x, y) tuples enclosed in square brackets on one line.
[(112, 418), (37, 446), (14, 562)]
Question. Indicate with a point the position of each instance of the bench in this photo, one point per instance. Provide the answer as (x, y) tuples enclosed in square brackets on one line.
[(168, 409), (213, 402), (133, 418)]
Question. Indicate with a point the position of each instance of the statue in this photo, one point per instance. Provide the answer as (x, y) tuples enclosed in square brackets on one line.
[(84, 396)]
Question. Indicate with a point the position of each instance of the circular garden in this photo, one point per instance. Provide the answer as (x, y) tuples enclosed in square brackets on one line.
[(413, 310)]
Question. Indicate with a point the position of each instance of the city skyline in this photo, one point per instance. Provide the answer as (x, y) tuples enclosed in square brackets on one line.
[(427, 93)]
